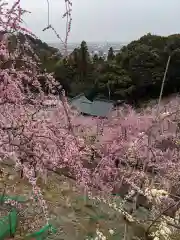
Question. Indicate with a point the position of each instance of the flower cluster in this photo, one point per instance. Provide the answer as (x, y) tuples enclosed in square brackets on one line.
[(31, 137), (13, 203), (163, 232)]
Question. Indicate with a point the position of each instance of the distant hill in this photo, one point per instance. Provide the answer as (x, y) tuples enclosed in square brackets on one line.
[(42, 49), (40, 46), (48, 55)]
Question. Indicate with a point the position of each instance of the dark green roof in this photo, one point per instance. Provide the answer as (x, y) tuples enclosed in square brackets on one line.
[(99, 107)]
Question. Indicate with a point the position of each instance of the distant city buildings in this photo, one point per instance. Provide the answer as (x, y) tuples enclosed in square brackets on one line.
[(99, 53), (116, 51), (101, 49)]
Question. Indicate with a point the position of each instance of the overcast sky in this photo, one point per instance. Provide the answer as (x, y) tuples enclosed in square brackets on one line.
[(105, 20)]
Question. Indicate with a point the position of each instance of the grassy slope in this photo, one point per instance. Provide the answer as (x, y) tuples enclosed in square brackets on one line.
[(67, 209)]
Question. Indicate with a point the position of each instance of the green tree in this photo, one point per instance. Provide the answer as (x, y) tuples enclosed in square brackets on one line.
[(111, 55), (145, 61), (84, 59), (95, 58), (64, 74), (75, 57)]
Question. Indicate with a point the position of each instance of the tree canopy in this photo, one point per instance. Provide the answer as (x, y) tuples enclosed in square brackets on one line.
[(134, 74)]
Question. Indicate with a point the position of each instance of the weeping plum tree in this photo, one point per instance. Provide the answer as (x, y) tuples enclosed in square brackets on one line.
[(30, 136), (128, 150)]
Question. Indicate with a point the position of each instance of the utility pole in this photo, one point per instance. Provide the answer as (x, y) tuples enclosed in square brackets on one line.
[(109, 91), (162, 85)]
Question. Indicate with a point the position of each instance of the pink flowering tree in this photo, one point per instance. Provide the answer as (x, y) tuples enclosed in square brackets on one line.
[(133, 154), (33, 138), (136, 155), (139, 160)]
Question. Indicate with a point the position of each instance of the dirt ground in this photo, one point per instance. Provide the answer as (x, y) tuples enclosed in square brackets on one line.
[(74, 218)]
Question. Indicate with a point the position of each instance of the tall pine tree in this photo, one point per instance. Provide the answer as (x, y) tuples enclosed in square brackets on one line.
[(84, 59), (111, 55)]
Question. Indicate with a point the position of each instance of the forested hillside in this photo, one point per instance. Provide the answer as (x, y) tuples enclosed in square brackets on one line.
[(134, 74)]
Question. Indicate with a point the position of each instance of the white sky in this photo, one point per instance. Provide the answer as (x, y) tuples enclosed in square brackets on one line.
[(105, 20)]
